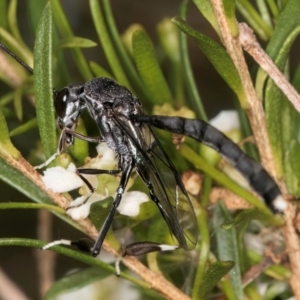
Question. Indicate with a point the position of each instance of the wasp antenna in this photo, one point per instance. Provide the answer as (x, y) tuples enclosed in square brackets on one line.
[(18, 59)]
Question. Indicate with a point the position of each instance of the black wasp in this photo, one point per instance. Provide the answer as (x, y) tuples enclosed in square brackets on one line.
[(126, 130)]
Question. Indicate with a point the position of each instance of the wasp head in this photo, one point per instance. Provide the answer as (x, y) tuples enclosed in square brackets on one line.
[(68, 105)]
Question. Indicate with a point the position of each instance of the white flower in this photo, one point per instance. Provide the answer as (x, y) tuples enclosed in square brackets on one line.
[(130, 204), (61, 180), (78, 210), (106, 158), (226, 121)]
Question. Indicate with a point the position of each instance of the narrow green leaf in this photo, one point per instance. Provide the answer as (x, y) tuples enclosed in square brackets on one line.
[(279, 272), (66, 31), (281, 117), (76, 41), (247, 215), (291, 167), (35, 9), (273, 107), (18, 103), (285, 26), (99, 71), (149, 69), (32, 123), (206, 9), (229, 9), (250, 14), (13, 25), (213, 275), (158, 231), (295, 159), (99, 211), (60, 68), (80, 148), (218, 57), (7, 98), (227, 246), (7, 149), (28, 205), (264, 12), (107, 45), (86, 258), (14, 46), (168, 35), (76, 281), (43, 82), (20, 182), (204, 250), (190, 82), (290, 120), (3, 13), (123, 54), (273, 8)]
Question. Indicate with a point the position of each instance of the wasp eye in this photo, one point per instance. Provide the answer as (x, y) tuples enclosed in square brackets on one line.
[(61, 102)]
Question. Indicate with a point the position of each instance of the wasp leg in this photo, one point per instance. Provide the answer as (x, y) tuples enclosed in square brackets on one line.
[(127, 169)]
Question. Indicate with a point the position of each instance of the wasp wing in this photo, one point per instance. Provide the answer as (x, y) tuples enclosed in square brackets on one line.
[(163, 181)]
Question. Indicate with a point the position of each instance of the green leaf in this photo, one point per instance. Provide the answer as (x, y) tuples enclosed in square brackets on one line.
[(18, 103), (99, 71), (76, 281), (13, 25), (218, 57), (3, 13), (227, 246), (75, 41), (35, 9), (149, 69), (80, 148), (273, 107), (287, 24), (65, 30), (206, 9), (213, 275), (291, 167), (7, 149), (295, 159), (32, 123), (99, 210), (7, 98), (121, 50), (251, 15), (190, 83), (247, 215), (28, 205), (86, 258), (168, 35), (43, 82), (14, 46), (229, 9), (204, 246), (107, 44), (20, 182), (98, 213), (281, 117)]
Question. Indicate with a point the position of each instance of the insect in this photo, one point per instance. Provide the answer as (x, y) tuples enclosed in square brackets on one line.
[(126, 130)]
